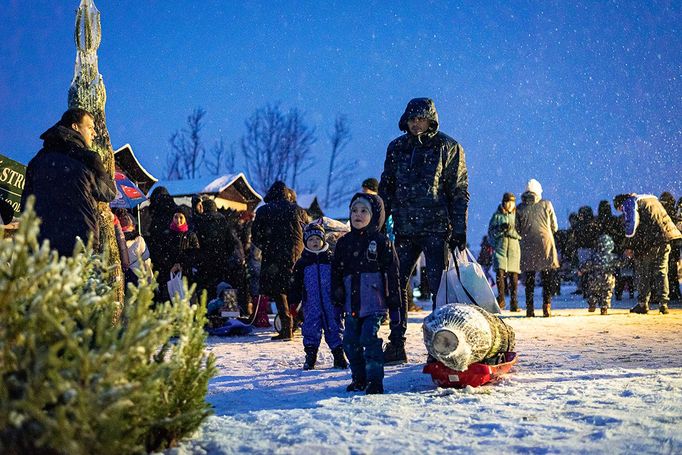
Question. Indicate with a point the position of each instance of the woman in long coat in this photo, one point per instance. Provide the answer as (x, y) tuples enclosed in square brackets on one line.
[(504, 239), (536, 222)]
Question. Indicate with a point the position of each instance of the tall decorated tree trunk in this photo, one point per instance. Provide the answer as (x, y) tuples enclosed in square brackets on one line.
[(87, 92)]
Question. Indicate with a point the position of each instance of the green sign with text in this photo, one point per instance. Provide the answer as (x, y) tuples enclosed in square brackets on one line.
[(12, 174)]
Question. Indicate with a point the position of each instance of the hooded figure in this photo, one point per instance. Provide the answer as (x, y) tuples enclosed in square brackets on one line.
[(365, 283), (68, 180), (536, 223), (649, 231), (424, 187), (278, 232)]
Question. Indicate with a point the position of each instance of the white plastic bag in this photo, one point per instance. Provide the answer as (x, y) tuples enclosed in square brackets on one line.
[(471, 286), (175, 285)]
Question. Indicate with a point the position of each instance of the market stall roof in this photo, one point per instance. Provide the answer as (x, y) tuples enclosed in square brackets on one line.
[(311, 203), (127, 162), (229, 191)]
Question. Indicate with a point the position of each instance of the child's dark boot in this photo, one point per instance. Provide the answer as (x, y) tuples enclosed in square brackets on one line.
[(340, 362), (374, 388), (310, 357), (356, 385)]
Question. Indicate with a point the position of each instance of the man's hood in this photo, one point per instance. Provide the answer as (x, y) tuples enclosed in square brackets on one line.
[(378, 214), (420, 107), (277, 192), (58, 136)]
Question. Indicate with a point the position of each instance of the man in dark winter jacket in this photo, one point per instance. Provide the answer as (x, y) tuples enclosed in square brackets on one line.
[(649, 232), (278, 232), (68, 179), (221, 257), (425, 189)]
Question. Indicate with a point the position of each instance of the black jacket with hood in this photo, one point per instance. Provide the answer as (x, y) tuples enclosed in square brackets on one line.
[(67, 180), (365, 267), (424, 184), (278, 232)]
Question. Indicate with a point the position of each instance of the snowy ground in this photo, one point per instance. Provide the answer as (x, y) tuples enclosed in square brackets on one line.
[(585, 383)]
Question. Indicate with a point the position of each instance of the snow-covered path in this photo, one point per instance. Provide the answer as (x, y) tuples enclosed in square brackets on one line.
[(584, 383)]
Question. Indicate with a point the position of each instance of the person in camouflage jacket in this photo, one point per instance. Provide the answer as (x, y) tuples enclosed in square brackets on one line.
[(600, 270), (424, 187)]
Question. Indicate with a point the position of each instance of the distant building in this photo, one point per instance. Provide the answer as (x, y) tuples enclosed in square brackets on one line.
[(231, 191)]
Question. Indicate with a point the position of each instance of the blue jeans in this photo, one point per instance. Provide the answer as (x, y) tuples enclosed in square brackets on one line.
[(363, 348)]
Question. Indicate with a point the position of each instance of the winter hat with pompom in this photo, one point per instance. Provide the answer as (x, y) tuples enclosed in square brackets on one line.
[(313, 229), (534, 187)]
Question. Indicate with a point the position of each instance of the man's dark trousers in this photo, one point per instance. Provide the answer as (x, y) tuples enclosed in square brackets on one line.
[(409, 248)]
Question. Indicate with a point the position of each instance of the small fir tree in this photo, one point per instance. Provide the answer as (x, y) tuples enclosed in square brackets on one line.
[(73, 382)]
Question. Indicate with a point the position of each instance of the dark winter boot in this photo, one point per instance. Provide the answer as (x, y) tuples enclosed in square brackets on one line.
[(546, 310), (604, 310), (340, 362), (356, 385), (286, 333), (394, 354), (310, 357), (374, 388), (530, 311), (663, 309), (639, 309)]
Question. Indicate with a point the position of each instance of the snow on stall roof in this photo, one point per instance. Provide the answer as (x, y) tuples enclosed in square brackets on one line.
[(129, 148), (208, 185), (585, 383)]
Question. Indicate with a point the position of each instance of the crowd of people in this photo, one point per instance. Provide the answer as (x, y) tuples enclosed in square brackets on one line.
[(350, 285), (638, 250)]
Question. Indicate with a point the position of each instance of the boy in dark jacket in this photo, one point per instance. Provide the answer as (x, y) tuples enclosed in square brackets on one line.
[(600, 270), (365, 282), (312, 284)]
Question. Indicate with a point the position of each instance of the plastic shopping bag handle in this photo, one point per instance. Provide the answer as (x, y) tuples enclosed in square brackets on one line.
[(468, 257)]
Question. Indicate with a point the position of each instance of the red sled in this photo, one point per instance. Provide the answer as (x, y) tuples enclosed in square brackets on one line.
[(476, 375)]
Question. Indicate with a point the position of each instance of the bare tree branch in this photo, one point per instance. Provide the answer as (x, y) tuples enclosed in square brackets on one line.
[(339, 171), (187, 151), (221, 159), (276, 146)]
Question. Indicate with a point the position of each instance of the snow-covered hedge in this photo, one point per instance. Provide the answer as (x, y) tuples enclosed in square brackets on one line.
[(80, 375)]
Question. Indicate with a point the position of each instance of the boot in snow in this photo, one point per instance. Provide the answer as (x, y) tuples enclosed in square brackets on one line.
[(374, 388), (286, 333), (310, 357), (530, 311), (546, 310), (639, 309), (340, 362), (356, 385), (604, 310), (394, 354), (663, 309)]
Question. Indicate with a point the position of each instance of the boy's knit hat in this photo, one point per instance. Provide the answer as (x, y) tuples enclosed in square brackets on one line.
[(313, 229), (362, 201), (508, 197)]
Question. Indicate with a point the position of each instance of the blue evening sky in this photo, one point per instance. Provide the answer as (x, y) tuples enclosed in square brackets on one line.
[(586, 97)]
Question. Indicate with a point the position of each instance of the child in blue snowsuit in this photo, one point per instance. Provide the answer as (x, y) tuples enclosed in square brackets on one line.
[(365, 283), (311, 284)]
